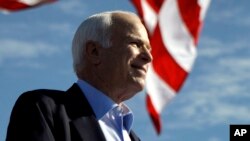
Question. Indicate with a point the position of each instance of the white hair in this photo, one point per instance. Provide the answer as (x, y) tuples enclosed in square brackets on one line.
[(94, 28)]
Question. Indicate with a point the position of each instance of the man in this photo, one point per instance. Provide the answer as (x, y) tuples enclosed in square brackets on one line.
[(111, 54)]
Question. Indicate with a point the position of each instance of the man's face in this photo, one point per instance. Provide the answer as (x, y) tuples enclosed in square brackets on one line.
[(125, 63)]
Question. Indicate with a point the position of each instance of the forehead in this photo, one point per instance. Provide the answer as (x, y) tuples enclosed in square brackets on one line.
[(129, 26), (126, 22)]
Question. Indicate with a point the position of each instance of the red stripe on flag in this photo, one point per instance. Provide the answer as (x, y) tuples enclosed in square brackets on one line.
[(138, 6), (156, 5), (15, 5), (12, 5), (164, 64), (190, 13), (155, 117)]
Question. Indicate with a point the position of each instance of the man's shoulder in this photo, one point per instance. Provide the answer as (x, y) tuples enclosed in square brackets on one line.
[(40, 93), (39, 96)]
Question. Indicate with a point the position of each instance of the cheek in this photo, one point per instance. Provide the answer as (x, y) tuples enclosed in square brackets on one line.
[(120, 66), (129, 61), (123, 61)]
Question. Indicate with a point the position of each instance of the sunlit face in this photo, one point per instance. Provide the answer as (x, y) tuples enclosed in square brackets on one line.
[(125, 63)]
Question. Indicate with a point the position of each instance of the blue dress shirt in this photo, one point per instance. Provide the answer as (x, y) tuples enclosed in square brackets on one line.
[(115, 120)]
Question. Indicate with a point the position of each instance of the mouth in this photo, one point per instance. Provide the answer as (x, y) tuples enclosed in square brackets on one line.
[(138, 67)]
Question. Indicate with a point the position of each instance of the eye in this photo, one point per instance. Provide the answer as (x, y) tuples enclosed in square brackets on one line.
[(136, 44)]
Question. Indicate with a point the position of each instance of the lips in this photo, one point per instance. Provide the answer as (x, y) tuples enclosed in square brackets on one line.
[(139, 67)]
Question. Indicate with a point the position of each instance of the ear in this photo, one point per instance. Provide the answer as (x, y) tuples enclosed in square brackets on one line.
[(93, 52)]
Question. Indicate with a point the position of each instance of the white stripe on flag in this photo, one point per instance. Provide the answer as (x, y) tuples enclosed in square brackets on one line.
[(204, 6), (31, 2), (150, 17), (176, 37), (159, 91)]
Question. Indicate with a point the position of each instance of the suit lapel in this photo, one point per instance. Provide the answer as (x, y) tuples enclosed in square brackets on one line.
[(133, 136), (83, 120), (88, 129)]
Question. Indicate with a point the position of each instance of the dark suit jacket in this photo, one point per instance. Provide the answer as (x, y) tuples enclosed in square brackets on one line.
[(51, 115)]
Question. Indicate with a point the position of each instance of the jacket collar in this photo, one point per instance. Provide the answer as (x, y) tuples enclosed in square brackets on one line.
[(82, 117), (77, 104)]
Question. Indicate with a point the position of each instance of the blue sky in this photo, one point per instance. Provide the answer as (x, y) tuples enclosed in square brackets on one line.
[(35, 53)]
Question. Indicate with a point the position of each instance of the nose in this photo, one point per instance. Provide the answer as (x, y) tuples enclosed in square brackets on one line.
[(146, 55)]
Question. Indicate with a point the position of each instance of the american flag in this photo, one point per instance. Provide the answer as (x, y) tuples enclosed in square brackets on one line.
[(174, 27), (16, 5)]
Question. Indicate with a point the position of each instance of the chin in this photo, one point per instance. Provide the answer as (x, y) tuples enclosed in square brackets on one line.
[(140, 85), (134, 89)]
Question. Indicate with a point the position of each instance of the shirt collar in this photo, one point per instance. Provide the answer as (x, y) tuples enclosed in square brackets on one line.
[(99, 102), (102, 104), (127, 116)]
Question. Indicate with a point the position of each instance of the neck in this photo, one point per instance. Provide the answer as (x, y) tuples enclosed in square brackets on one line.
[(96, 81)]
